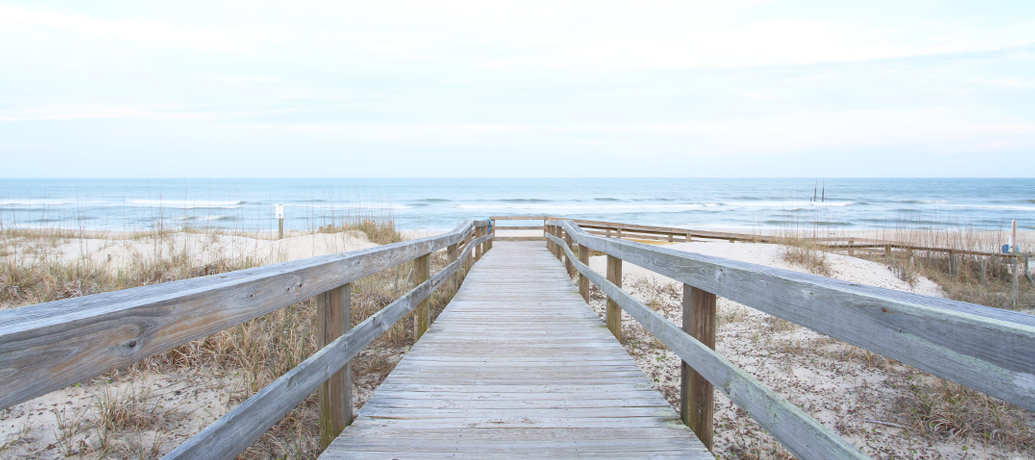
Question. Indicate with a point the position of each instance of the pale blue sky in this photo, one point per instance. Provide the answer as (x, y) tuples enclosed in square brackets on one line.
[(524, 88)]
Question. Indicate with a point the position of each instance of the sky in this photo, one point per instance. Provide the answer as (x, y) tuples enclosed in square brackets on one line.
[(529, 88)]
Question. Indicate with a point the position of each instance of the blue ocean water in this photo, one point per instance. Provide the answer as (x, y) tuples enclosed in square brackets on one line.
[(440, 204)]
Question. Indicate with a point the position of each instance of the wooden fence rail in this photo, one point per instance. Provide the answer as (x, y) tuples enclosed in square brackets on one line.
[(682, 235), (988, 349), (49, 346)]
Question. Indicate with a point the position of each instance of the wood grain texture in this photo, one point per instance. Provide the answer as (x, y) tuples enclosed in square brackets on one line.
[(235, 431), (614, 311), (800, 434), (567, 263), (583, 281), (421, 314), (516, 366), (984, 348), (697, 393), (333, 319), (49, 346)]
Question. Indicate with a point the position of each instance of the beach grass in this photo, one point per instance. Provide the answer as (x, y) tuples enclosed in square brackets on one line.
[(121, 416)]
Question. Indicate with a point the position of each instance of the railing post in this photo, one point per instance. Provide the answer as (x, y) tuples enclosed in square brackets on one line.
[(548, 231), (451, 254), (421, 314), (567, 261), (492, 230), (583, 281), (697, 395), (478, 233), (614, 312), (334, 318), (618, 231), (560, 249), (467, 258)]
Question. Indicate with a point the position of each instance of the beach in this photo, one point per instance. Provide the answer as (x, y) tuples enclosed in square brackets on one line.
[(867, 398)]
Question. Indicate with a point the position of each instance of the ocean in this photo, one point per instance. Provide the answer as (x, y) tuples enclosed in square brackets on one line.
[(440, 204)]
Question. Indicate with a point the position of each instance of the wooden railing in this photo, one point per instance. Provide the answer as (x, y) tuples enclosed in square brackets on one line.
[(682, 235), (49, 346), (987, 349)]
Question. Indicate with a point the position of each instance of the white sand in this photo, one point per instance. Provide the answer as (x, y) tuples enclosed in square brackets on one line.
[(201, 248)]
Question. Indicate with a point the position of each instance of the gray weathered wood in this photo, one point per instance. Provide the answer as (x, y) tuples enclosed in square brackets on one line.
[(49, 346), (614, 312), (567, 262), (988, 349), (583, 281), (697, 399), (800, 433), (421, 314), (235, 431), (517, 366), (334, 318), (519, 217), (520, 227)]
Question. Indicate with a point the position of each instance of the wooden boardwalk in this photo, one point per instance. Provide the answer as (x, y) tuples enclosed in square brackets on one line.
[(517, 366)]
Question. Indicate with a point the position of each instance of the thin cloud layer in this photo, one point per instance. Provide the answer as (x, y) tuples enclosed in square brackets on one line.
[(698, 86)]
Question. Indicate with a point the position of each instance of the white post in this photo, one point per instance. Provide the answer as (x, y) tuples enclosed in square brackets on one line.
[(1014, 251), (280, 217)]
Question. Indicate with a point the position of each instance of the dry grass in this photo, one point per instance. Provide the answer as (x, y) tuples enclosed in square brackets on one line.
[(951, 411), (131, 423)]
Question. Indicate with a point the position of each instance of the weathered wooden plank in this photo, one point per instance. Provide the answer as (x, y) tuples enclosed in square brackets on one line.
[(235, 431), (697, 393), (519, 218), (527, 365), (614, 312), (800, 433), (49, 346), (421, 314), (334, 318), (988, 349)]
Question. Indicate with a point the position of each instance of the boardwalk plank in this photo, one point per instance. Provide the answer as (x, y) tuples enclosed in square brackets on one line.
[(517, 366)]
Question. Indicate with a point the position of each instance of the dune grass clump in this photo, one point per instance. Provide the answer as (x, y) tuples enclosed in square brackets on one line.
[(244, 358), (951, 411)]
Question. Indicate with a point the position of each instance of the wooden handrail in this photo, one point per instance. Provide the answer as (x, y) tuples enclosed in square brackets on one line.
[(988, 349), (637, 231), (239, 428), (49, 346)]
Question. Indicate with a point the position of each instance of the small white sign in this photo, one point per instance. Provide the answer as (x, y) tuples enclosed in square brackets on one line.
[(280, 211)]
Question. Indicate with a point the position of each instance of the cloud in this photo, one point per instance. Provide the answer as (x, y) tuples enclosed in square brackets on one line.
[(53, 25)]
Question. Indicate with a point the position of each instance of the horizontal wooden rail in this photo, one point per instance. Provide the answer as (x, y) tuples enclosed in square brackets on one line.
[(49, 346), (649, 232), (239, 428), (520, 217), (518, 227), (987, 349), (800, 433)]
